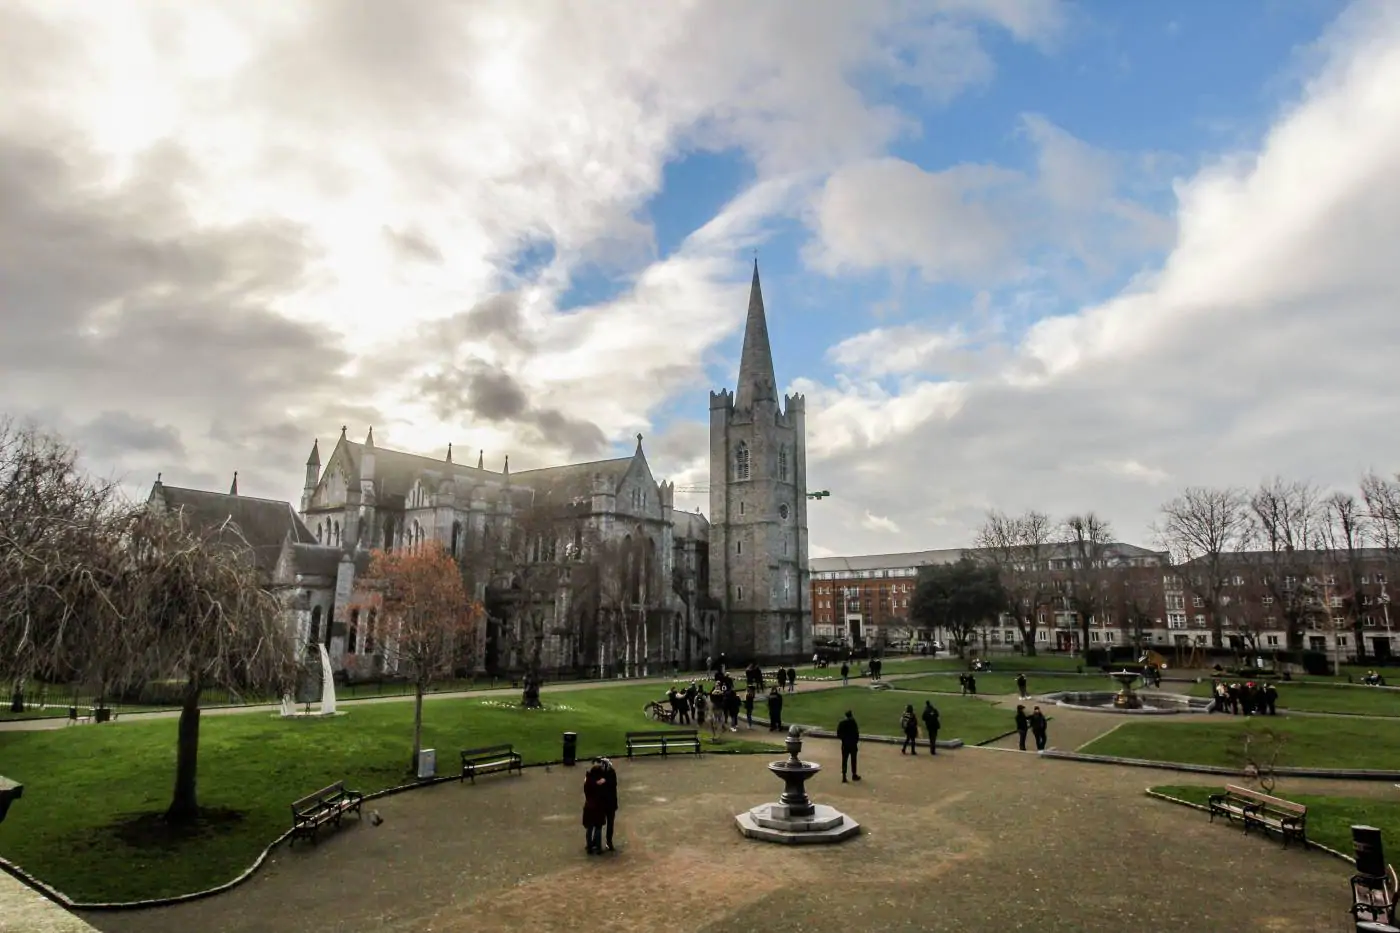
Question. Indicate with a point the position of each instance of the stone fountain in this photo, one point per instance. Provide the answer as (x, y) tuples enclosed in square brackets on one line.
[(1127, 697), (794, 819)]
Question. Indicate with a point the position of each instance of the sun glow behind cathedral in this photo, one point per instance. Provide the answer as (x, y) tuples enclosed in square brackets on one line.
[(732, 583)]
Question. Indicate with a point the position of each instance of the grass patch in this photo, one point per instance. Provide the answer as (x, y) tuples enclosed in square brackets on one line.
[(945, 664), (1329, 818), (878, 712), (83, 824), (1311, 743), (1320, 697), (998, 683)]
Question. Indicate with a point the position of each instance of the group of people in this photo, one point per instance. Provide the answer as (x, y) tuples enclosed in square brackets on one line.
[(1035, 723), (1248, 698), (1372, 679)]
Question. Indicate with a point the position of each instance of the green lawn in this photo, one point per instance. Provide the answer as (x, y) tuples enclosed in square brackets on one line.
[(1329, 818), (1315, 697), (997, 683), (878, 712), (943, 663), (1310, 743), (82, 784)]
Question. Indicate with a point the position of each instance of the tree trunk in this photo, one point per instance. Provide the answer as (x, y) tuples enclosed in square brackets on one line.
[(184, 804), (417, 724), (1359, 633), (1028, 639)]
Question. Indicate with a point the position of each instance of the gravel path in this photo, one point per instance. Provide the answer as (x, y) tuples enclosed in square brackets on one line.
[(970, 840)]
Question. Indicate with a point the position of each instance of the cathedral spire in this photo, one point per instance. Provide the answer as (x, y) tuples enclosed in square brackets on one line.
[(369, 438), (233, 487), (756, 379), (315, 458), (481, 459), (449, 451)]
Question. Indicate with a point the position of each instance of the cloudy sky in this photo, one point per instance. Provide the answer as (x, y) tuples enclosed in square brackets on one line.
[(1017, 253)]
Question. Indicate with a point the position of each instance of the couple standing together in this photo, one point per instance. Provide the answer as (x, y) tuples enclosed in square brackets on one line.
[(1035, 724), (599, 804)]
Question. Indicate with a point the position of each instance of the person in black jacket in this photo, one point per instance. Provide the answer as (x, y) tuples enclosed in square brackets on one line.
[(775, 710), (931, 726), (608, 797), (909, 724), (1039, 728), (1023, 725), (849, 734), (748, 705)]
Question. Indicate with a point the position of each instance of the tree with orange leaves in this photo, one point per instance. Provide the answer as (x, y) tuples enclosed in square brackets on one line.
[(429, 623)]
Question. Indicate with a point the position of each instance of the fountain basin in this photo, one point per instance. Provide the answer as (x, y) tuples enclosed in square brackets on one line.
[(1104, 701), (769, 823)]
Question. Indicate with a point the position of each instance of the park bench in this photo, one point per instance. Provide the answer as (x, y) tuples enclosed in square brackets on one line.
[(1253, 808), (325, 807), (1373, 899), (489, 759), (664, 741)]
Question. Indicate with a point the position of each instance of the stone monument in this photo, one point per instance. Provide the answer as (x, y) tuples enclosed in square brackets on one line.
[(794, 819)]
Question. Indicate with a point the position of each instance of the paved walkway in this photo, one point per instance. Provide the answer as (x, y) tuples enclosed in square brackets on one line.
[(969, 840)]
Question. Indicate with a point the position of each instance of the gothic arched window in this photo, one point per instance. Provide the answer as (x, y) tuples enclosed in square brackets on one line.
[(337, 534), (782, 463), (456, 537), (741, 462), (315, 635)]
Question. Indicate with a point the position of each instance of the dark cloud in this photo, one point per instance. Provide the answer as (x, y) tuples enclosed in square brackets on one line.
[(115, 434), (412, 245), (494, 395)]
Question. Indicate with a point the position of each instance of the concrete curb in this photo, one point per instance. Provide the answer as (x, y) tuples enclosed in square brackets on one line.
[(817, 732), (66, 902), (1341, 774), (1196, 806)]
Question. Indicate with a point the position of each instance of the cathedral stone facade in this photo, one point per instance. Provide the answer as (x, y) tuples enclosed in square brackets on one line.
[(758, 505), (734, 583)]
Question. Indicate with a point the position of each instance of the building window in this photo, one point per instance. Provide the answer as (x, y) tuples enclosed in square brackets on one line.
[(315, 638), (1271, 641), (369, 631), (1197, 602), (353, 637), (738, 594), (738, 547), (1267, 600), (782, 463), (741, 462)]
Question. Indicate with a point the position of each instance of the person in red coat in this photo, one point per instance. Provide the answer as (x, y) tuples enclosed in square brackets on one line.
[(595, 814)]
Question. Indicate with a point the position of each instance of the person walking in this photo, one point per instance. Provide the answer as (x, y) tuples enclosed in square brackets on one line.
[(849, 734), (748, 705), (1021, 687), (731, 707), (931, 726), (782, 677), (792, 679), (595, 814), (775, 710), (1023, 725), (1038, 728), (845, 674), (910, 724)]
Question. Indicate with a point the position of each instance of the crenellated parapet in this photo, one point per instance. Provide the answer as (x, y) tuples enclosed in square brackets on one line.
[(723, 399)]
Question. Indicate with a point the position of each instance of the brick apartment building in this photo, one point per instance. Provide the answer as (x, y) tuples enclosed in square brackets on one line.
[(1138, 599)]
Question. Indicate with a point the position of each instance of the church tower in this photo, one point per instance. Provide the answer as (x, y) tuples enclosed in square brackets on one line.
[(758, 508)]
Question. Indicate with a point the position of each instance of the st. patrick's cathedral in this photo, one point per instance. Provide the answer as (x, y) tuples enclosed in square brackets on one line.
[(734, 584)]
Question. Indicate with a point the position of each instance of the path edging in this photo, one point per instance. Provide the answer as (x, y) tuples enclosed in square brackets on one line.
[(1340, 774), (1196, 806), (67, 903)]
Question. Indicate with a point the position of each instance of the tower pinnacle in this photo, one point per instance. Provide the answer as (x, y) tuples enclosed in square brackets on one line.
[(756, 379)]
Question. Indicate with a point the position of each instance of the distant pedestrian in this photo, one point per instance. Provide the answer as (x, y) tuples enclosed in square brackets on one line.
[(849, 734), (1023, 725), (748, 705), (845, 674), (595, 814), (1021, 687), (792, 679), (1039, 728), (782, 678), (775, 710), (931, 726), (909, 723)]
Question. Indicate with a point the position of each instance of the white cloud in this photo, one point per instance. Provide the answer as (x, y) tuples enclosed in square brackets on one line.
[(895, 350), (1259, 347), (879, 523), (411, 151)]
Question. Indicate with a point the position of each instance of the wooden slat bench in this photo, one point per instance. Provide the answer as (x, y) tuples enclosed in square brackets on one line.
[(1373, 899), (664, 741), (325, 807), (1253, 808), (488, 760)]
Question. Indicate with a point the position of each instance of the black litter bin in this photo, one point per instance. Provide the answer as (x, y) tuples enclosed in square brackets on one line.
[(570, 749)]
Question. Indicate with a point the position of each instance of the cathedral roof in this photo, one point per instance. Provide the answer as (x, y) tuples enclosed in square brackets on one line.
[(575, 479), (396, 471), (264, 523), (316, 559)]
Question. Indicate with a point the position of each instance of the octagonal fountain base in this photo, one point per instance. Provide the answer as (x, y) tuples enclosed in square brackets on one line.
[(771, 822)]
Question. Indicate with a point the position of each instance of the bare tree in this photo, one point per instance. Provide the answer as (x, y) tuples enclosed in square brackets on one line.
[(1019, 548), (1284, 523), (1086, 539), (1382, 498), (1203, 529), (1345, 528), (428, 623)]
